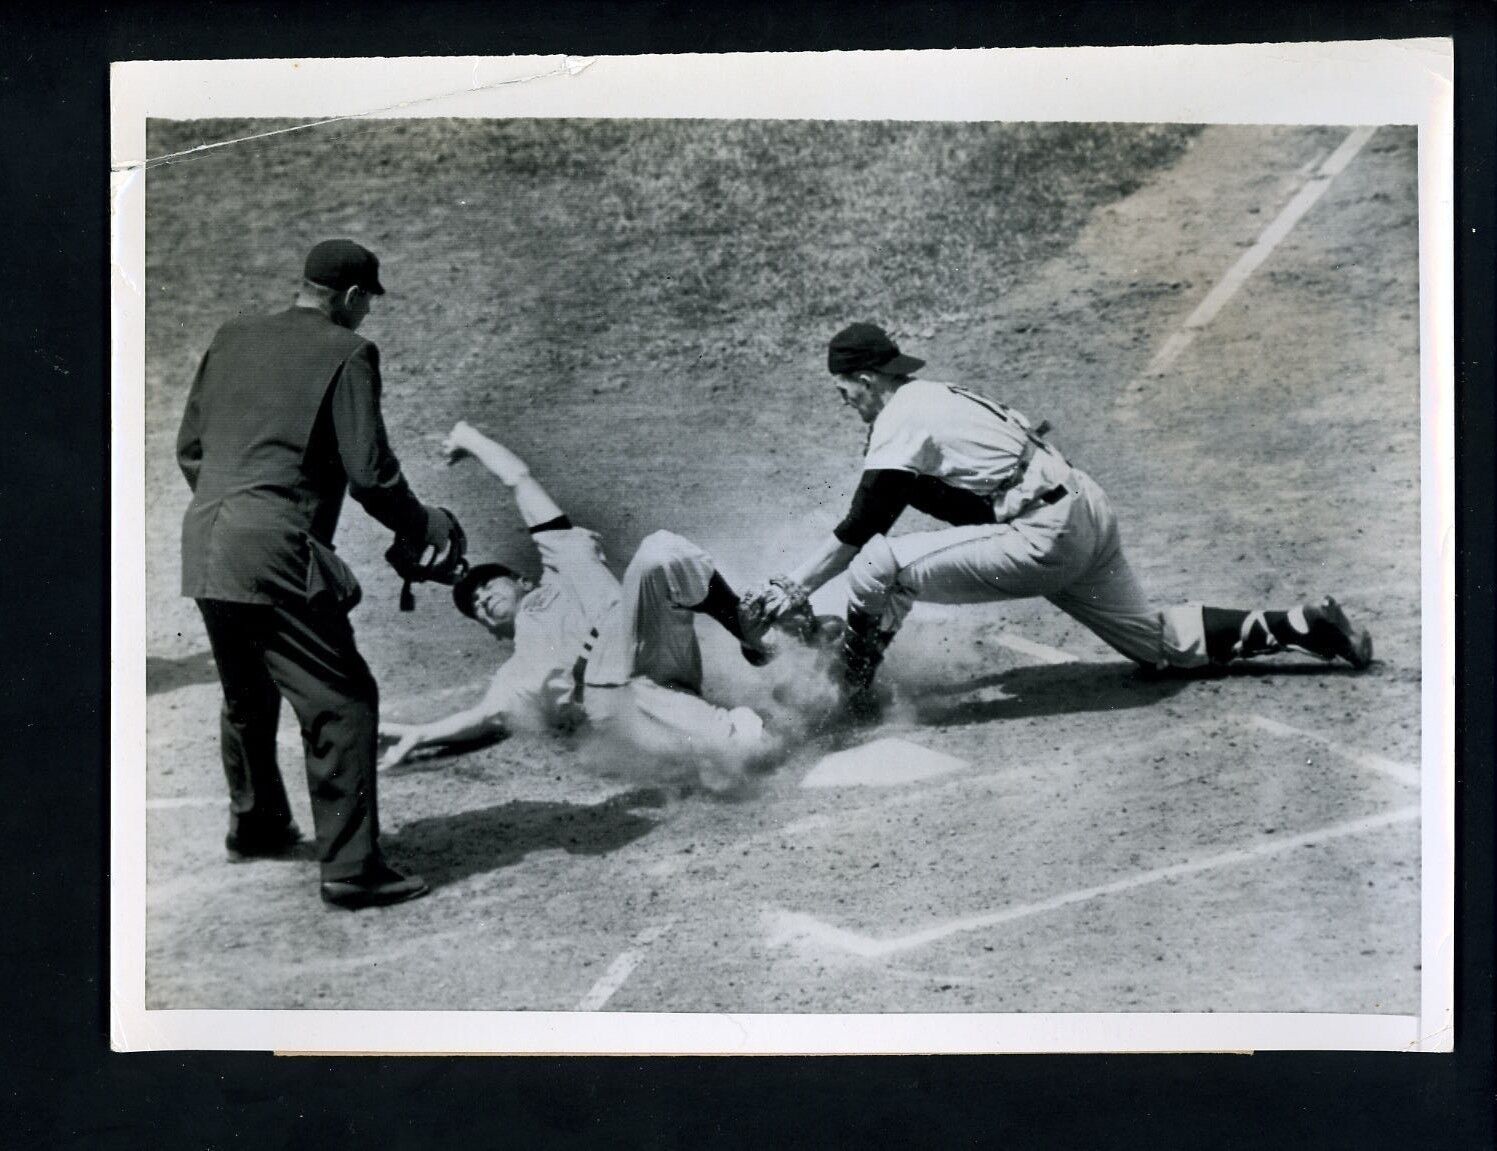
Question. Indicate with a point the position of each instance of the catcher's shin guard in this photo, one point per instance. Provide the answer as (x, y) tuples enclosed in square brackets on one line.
[(863, 647)]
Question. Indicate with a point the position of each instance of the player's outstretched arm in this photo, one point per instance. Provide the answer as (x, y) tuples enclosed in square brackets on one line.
[(830, 559), (785, 597), (472, 723), (881, 498), (535, 504)]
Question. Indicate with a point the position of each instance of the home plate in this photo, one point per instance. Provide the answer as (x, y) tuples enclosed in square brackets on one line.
[(882, 763)]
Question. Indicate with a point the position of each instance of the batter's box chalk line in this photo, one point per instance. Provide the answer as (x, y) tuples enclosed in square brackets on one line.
[(787, 928), (1304, 199), (623, 967)]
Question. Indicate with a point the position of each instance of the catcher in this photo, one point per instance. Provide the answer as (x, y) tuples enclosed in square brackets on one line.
[(1024, 523), (622, 656)]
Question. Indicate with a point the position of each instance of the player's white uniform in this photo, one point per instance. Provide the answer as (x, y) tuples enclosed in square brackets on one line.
[(625, 657), (1056, 534)]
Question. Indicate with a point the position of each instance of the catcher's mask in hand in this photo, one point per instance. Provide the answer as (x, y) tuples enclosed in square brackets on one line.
[(416, 561)]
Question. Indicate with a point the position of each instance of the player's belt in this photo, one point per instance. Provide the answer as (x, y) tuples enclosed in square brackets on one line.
[(1051, 495), (579, 669), (1033, 442)]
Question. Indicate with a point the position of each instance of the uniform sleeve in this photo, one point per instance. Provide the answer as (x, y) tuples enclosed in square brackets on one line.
[(558, 524), (569, 549), (503, 702), (949, 504), (898, 441), (190, 434), (881, 496), (374, 475)]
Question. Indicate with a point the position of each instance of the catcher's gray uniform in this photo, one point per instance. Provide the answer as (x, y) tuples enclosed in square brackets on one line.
[(1054, 535)]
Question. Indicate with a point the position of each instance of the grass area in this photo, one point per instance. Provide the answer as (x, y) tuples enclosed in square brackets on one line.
[(575, 247)]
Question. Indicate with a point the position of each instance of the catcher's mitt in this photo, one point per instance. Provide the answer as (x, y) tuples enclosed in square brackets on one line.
[(778, 602), (416, 561)]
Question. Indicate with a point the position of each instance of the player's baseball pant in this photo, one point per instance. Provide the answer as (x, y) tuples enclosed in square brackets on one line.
[(1069, 552), (644, 679)]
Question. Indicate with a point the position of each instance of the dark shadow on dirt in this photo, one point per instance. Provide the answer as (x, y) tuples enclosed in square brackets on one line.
[(1270, 669), (1055, 689), (448, 848), (164, 674), (1066, 689)]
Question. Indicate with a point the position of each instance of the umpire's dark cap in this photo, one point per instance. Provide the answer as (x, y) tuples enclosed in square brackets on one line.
[(342, 264), (867, 347)]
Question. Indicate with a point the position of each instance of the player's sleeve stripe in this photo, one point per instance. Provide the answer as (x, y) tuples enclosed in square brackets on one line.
[(559, 524)]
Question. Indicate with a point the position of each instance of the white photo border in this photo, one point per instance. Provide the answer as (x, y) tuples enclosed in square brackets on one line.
[(1340, 83)]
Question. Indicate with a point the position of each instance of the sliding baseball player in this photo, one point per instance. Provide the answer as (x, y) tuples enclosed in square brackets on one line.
[(621, 656), (1024, 523)]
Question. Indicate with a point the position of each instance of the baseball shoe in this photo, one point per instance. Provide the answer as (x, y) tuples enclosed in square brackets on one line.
[(754, 655), (863, 708), (378, 888), (281, 843), (1333, 635)]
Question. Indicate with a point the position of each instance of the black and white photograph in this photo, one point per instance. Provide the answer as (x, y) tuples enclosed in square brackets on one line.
[(817, 566)]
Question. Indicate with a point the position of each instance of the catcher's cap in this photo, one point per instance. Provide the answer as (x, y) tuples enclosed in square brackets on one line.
[(867, 347), (341, 264)]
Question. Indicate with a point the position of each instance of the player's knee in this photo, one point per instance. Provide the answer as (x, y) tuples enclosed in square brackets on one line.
[(661, 549), (674, 567), (872, 574)]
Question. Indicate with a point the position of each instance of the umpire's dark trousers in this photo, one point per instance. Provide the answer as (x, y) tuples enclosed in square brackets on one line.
[(307, 655)]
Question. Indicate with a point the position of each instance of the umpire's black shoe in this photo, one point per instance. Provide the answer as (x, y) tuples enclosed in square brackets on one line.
[(378, 888), (281, 843)]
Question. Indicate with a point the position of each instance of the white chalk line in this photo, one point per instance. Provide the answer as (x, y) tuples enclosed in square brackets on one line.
[(174, 802), (621, 968), (790, 926), (1404, 773), (1253, 258)]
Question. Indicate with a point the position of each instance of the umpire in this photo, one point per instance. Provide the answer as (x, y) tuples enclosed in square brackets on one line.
[(282, 419)]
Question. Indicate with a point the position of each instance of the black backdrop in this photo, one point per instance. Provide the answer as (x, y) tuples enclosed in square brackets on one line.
[(60, 1084)]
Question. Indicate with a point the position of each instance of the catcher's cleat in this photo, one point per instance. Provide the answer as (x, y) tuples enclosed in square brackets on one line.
[(863, 707), (278, 844), (754, 655), (1332, 635)]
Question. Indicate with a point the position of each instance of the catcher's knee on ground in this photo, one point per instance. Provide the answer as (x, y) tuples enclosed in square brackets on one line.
[(1182, 642)]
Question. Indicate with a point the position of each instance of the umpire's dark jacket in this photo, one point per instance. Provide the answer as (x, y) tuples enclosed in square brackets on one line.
[(282, 419)]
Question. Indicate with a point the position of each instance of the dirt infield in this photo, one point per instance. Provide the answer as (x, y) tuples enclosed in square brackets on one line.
[(641, 310)]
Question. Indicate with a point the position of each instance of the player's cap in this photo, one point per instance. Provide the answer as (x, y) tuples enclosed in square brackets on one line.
[(342, 264), (867, 347), (466, 589)]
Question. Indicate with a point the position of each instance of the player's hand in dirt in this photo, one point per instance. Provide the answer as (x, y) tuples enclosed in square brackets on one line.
[(401, 738), (456, 447)]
